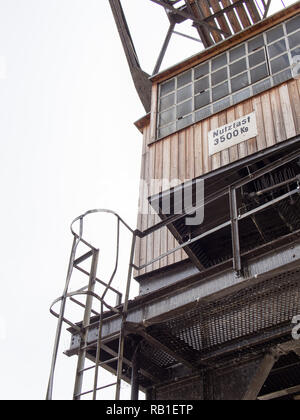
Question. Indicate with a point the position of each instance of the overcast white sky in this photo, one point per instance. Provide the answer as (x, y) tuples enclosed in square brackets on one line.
[(68, 144)]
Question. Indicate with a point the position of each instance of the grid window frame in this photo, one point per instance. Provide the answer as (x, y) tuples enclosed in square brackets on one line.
[(240, 52)]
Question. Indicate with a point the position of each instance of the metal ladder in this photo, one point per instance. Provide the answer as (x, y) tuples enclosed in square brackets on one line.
[(90, 292)]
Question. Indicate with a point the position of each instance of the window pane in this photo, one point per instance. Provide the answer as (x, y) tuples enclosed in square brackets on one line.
[(256, 43), (259, 73), (167, 101), (202, 100), (219, 76), (167, 87), (184, 79), (163, 132), (293, 25), (274, 34), (201, 85), (167, 117), (257, 58), (184, 122), (239, 82), (203, 113), (262, 86), (241, 96), (219, 106), (238, 67), (237, 53), (220, 91), (184, 109), (184, 93), (219, 62), (282, 77), (201, 71), (294, 40), (296, 52), (277, 48), (280, 63)]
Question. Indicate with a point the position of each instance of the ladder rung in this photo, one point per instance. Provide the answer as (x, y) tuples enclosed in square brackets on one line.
[(98, 389), (86, 369), (83, 258), (99, 365), (108, 361)]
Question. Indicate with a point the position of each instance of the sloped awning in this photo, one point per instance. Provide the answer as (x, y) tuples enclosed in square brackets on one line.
[(267, 207)]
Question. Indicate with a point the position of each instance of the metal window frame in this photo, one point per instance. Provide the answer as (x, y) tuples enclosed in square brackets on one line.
[(232, 95)]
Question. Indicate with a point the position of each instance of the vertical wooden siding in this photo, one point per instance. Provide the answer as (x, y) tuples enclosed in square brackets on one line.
[(184, 156)]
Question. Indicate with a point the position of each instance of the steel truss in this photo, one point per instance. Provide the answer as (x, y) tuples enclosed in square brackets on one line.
[(214, 21)]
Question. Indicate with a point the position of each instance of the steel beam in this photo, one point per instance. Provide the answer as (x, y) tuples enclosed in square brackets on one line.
[(280, 394), (260, 377), (236, 248), (140, 78), (187, 293), (135, 375)]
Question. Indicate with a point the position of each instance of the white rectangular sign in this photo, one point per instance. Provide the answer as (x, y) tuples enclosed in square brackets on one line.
[(229, 135)]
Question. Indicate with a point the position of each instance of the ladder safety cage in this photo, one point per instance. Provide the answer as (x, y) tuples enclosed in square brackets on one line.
[(89, 291)]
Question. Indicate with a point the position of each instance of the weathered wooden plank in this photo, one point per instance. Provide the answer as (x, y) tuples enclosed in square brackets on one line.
[(295, 101), (190, 154), (157, 190), (144, 207), (221, 19), (242, 15), (138, 255), (234, 22), (206, 159), (253, 11), (242, 147), (268, 119), (198, 144), (287, 111), (225, 158), (175, 181), (151, 217), (261, 138), (182, 156), (205, 8), (279, 127), (153, 115), (233, 151), (166, 171), (252, 143), (216, 158)]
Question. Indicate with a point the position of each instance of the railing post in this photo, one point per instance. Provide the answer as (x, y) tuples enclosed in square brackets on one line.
[(124, 317), (237, 262), (135, 375)]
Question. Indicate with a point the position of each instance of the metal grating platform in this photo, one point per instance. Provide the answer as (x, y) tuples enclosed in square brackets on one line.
[(215, 333), (248, 313)]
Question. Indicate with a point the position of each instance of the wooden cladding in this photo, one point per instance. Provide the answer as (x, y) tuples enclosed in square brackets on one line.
[(184, 155)]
